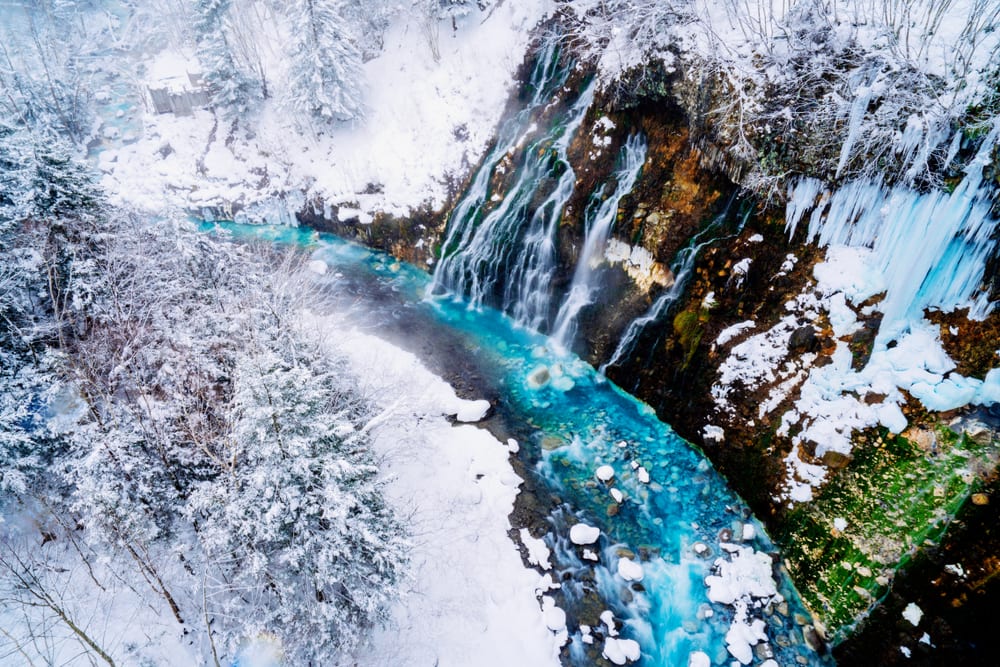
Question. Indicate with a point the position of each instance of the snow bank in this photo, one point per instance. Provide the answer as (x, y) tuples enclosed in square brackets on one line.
[(469, 590), (469, 411)]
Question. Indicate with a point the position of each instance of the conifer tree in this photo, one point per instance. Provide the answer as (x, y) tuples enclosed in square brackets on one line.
[(234, 93), (325, 73), (296, 523)]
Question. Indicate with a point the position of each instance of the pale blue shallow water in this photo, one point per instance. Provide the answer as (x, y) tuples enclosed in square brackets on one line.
[(587, 416)]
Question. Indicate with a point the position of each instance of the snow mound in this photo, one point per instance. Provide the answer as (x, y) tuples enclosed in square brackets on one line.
[(469, 411), (582, 534), (621, 651), (629, 570), (746, 574)]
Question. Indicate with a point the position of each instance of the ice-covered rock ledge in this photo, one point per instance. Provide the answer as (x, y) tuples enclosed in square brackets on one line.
[(469, 592)]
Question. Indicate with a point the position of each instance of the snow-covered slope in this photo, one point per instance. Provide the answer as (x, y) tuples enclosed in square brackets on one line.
[(434, 97)]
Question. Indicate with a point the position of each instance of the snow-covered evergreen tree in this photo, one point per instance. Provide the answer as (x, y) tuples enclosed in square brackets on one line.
[(325, 78), (41, 76), (457, 8), (234, 92), (295, 523), (369, 20)]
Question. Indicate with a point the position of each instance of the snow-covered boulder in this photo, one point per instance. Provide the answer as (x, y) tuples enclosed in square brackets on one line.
[(582, 534), (629, 570), (621, 651)]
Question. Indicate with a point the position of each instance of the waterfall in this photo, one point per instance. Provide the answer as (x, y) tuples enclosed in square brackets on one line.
[(931, 249), (528, 291), (453, 270), (682, 267), (507, 257), (599, 221)]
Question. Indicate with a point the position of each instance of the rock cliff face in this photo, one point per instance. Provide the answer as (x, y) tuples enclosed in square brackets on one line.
[(881, 522)]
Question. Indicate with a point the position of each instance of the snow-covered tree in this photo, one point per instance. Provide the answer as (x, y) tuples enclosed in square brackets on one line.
[(234, 91), (325, 78), (295, 524), (834, 88), (453, 8), (41, 75), (369, 21)]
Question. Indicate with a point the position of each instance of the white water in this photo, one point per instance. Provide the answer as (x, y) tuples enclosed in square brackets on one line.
[(514, 245), (598, 222), (681, 269), (452, 272), (528, 292), (931, 249)]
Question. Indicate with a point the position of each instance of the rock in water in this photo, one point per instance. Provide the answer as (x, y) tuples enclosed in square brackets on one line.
[(581, 534)]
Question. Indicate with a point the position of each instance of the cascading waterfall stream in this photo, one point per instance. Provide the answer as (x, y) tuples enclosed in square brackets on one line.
[(514, 245), (599, 221), (528, 292), (453, 272), (681, 268)]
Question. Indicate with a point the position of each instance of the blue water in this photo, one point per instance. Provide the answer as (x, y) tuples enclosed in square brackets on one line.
[(574, 422)]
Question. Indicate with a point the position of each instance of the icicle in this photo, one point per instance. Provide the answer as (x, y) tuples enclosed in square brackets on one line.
[(801, 197), (930, 248), (862, 96), (598, 228)]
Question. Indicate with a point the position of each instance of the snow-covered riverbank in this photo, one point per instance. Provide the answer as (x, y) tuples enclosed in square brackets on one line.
[(469, 593)]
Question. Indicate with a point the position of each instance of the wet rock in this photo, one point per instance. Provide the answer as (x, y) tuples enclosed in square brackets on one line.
[(803, 339), (836, 460), (551, 442), (622, 552), (813, 639), (763, 651), (979, 433), (539, 377)]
